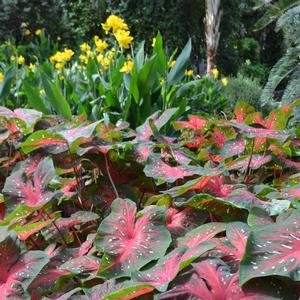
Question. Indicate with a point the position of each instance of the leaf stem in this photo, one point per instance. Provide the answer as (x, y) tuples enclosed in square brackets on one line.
[(109, 177)]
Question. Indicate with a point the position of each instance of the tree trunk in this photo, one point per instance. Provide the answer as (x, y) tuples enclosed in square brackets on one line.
[(213, 15)]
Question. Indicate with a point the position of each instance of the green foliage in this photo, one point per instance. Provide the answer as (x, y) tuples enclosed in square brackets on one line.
[(287, 14), (245, 89)]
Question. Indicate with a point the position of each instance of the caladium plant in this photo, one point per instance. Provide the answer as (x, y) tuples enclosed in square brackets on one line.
[(211, 212)]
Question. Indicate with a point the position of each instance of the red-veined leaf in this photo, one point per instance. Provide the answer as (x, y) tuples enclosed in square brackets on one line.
[(84, 265), (194, 123), (131, 243), (18, 270), (19, 189), (273, 249), (233, 147), (242, 110), (163, 272), (111, 290), (181, 221)]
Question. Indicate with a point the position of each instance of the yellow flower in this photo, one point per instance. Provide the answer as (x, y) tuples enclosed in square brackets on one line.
[(123, 38), (59, 66), (100, 45), (99, 58), (1, 77), (215, 72), (59, 38), (60, 58), (90, 54), (42, 92), (111, 53), (96, 38), (127, 67), (38, 32), (105, 63), (83, 58), (115, 23), (162, 81), (12, 58), (31, 66), (153, 42), (85, 47), (171, 63), (188, 73), (27, 32), (21, 60), (61, 77), (224, 81)]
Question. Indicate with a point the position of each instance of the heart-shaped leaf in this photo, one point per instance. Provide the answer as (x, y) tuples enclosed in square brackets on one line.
[(129, 243)]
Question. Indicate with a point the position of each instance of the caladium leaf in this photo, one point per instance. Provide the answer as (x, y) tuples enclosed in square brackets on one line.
[(201, 234), (225, 208), (233, 147), (273, 250), (254, 162), (63, 224), (194, 123), (157, 169), (245, 199), (210, 280), (18, 269), (128, 243), (242, 110), (281, 135), (44, 139), (84, 265), (19, 189), (258, 217), (25, 231), (288, 162), (237, 234), (110, 290), (163, 272), (181, 221), (144, 131)]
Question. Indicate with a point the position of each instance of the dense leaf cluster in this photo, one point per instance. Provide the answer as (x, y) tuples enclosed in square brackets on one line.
[(97, 211)]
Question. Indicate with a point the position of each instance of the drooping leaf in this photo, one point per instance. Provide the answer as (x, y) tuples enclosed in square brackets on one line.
[(201, 234), (237, 234), (181, 221), (163, 272), (18, 269), (258, 217), (233, 147), (144, 131), (158, 169), (210, 280), (111, 290), (194, 123), (84, 265), (128, 243), (44, 139), (19, 189), (273, 250)]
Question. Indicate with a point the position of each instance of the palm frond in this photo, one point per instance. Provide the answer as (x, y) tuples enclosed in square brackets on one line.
[(283, 68), (274, 11), (285, 18), (292, 90)]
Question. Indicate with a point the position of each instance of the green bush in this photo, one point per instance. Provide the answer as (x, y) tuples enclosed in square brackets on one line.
[(244, 89)]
